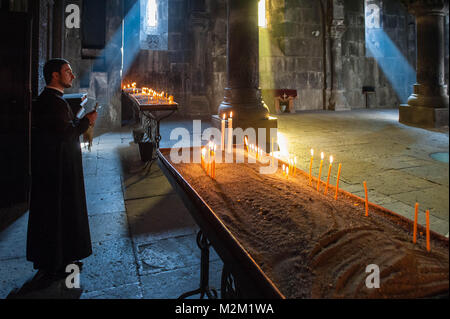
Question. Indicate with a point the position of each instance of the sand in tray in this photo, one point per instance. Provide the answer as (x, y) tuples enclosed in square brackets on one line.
[(312, 246)]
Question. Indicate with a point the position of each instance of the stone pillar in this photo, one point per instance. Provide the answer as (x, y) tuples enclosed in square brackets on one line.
[(428, 105), (242, 94), (336, 28), (198, 102), (113, 54)]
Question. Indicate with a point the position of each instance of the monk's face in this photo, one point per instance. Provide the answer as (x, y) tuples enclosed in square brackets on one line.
[(65, 76)]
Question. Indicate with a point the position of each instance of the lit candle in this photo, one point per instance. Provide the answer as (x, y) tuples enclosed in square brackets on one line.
[(310, 167), (428, 229), (283, 168), (328, 178), (367, 199), (337, 182), (223, 133), (287, 172), (295, 165), (245, 141), (203, 157), (320, 171), (272, 145), (416, 215), (230, 133), (213, 168), (208, 159)]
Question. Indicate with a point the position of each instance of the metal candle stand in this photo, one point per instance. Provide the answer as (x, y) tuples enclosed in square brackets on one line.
[(152, 115), (204, 289)]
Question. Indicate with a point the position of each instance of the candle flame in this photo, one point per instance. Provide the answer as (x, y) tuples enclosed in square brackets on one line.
[(231, 114), (331, 159), (321, 155), (312, 152)]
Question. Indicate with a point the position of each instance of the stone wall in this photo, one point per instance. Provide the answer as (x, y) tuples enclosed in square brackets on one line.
[(217, 52), (291, 55), (98, 72), (385, 59)]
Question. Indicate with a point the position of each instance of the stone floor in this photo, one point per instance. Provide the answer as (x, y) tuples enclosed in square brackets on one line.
[(144, 238)]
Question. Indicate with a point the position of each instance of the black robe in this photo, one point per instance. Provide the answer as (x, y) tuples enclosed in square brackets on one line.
[(58, 226)]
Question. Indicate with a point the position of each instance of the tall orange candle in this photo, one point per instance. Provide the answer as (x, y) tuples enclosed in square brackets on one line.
[(213, 169), (416, 216), (203, 158), (428, 229), (310, 167), (246, 143), (320, 171), (367, 200), (337, 182), (295, 165), (329, 171), (208, 159)]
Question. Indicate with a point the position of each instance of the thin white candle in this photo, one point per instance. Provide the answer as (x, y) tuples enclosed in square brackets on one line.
[(223, 134), (230, 133)]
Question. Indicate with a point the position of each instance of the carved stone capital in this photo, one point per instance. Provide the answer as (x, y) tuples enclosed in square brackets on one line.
[(426, 7), (199, 20), (337, 29)]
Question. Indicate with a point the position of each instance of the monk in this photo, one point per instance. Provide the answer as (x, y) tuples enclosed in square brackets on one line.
[(58, 227)]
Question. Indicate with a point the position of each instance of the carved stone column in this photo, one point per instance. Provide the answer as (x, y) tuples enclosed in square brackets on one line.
[(336, 29), (428, 105), (242, 93)]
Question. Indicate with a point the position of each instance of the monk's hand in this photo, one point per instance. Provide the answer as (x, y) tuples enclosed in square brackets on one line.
[(92, 117)]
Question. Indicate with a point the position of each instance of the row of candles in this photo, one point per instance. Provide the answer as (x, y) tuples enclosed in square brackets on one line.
[(208, 159), (152, 95), (290, 169), (366, 201)]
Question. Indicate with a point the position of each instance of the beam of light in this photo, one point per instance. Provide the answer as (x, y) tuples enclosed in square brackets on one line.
[(262, 14), (392, 62), (266, 74), (282, 141), (152, 10), (129, 48)]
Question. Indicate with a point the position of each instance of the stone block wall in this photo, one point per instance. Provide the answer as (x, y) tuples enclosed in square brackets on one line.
[(217, 52), (291, 51), (387, 68), (292, 56)]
